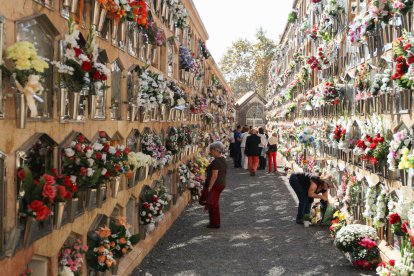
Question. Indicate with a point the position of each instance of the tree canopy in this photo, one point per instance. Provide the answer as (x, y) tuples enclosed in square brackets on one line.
[(246, 64)]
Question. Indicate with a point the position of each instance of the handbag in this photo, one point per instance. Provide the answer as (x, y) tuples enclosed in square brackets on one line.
[(203, 197)]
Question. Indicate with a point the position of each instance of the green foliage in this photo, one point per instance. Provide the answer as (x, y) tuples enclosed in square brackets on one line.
[(306, 217), (381, 151), (292, 17), (246, 64)]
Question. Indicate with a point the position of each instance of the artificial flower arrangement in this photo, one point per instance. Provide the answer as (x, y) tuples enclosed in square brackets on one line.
[(205, 53), (121, 240), (362, 81), (180, 14), (65, 186), (310, 94), (117, 160), (359, 241), (152, 87), (28, 71), (404, 58), (382, 83), (140, 12), (123, 10), (76, 67), (293, 16), (403, 6), (381, 211), (199, 105), (70, 258), (371, 196), (340, 137), (313, 33), (172, 141), (39, 194), (180, 97), (306, 138), (151, 32), (359, 28), (381, 10), (99, 255), (153, 208), (26, 272), (138, 160), (401, 140), (186, 59), (152, 146), (208, 117), (339, 221), (334, 8), (99, 72), (331, 93)]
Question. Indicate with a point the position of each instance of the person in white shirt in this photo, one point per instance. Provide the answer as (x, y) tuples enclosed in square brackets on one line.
[(245, 134), (263, 146)]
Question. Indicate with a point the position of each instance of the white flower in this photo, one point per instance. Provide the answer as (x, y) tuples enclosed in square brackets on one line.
[(91, 162), (69, 152), (104, 171), (90, 172), (73, 178), (97, 146), (112, 150), (104, 156)]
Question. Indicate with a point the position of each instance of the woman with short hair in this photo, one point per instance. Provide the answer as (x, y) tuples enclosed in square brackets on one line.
[(253, 151), (215, 182)]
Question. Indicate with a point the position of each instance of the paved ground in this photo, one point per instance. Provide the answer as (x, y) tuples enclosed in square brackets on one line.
[(258, 237)]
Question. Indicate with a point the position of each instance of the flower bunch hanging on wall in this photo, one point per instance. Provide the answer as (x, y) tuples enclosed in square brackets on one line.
[(152, 88), (71, 258), (28, 70), (331, 93), (404, 58), (180, 14), (186, 59), (100, 256), (121, 240), (401, 140)]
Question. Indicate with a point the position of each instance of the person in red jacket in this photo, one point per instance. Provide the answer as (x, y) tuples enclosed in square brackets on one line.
[(253, 151)]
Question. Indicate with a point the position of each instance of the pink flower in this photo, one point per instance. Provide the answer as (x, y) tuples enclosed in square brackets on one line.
[(67, 251), (76, 247), (367, 243), (85, 248), (398, 5), (73, 268)]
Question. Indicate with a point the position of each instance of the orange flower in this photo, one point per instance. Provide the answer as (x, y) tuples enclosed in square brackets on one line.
[(121, 13), (101, 249), (101, 259), (104, 232), (112, 244), (122, 221), (109, 262), (107, 246), (122, 240), (124, 250)]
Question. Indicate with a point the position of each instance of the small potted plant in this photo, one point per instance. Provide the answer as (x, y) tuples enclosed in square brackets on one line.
[(306, 220)]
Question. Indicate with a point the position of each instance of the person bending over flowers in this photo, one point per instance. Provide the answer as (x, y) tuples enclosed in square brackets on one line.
[(308, 187)]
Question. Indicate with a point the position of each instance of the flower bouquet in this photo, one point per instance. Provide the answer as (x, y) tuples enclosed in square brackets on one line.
[(334, 8), (331, 93), (339, 221), (28, 70), (359, 242), (205, 53), (152, 88), (186, 59), (121, 240), (121, 10), (403, 6), (180, 14), (70, 258), (99, 255), (306, 138), (293, 16), (381, 10), (382, 83), (404, 58), (362, 81), (400, 141)]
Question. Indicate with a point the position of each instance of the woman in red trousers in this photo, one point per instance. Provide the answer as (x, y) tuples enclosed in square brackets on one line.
[(215, 183), (253, 151), (272, 152)]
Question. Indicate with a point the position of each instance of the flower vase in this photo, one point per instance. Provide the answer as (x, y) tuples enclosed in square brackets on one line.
[(132, 179), (123, 32), (154, 56), (146, 172), (101, 195), (101, 21), (66, 3), (163, 12), (157, 7), (114, 267), (92, 103), (91, 198), (115, 185), (163, 111), (148, 49), (74, 6), (154, 113), (143, 231), (144, 115), (30, 229), (114, 36), (95, 13), (72, 208), (63, 97), (182, 75), (21, 110), (59, 208), (74, 103), (133, 111)]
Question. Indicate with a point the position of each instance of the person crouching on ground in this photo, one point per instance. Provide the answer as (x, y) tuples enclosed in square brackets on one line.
[(307, 188), (215, 183), (253, 151)]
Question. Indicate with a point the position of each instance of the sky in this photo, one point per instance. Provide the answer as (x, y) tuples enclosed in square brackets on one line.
[(228, 20)]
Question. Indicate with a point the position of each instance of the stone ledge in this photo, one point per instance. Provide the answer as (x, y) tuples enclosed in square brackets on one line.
[(134, 258)]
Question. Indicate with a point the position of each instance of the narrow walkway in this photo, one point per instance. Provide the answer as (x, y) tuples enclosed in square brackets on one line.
[(258, 237)]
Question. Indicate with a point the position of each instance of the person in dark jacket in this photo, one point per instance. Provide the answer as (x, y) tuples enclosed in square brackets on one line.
[(307, 188), (253, 151)]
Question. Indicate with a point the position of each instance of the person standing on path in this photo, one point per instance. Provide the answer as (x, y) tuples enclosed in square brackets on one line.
[(244, 135), (272, 153), (263, 148), (215, 183), (237, 155), (307, 188), (253, 151)]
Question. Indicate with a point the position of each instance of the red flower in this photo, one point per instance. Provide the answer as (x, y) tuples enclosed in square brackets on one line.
[(40, 209), (407, 47), (21, 174), (367, 243), (86, 66), (118, 153), (83, 171), (373, 146), (98, 155), (106, 147), (78, 51), (81, 138), (102, 134), (96, 75), (127, 150), (62, 191), (410, 59), (404, 227), (394, 218), (78, 147), (392, 262), (49, 192), (49, 180)]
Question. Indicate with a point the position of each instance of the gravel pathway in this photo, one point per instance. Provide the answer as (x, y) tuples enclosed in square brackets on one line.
[(258, 237)]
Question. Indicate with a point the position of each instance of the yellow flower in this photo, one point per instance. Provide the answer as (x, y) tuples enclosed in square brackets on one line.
[(39, 65), (405, 151), (408, 165), (23, 64)]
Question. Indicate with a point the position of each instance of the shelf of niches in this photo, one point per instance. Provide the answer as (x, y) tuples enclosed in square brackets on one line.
[(50, 245)]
